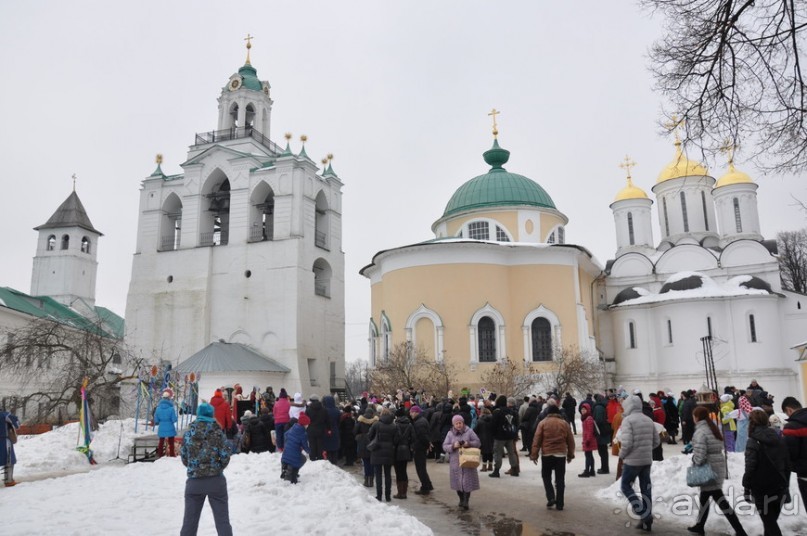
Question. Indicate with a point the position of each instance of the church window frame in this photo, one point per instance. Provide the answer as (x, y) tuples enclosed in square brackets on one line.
[(171, 223), (85, 245), (322, 277), (666, 218), (214, 229), (631, 236), (738, 219), (479, 230), (499, 333), (527, 330), (486, 333), (386, 337), (669, 332), (262, 213), (557, 235), (485, 229), (321, 221), (561, 235), (752, 328), (551, 238), (631, 335), (65, 244), (501, 235), (684, 214), (372, 341), (705, 210), (437, 323), (50, 245), (541, 335)]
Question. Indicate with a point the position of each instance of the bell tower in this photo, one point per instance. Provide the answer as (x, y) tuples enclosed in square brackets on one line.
[(245, 102)]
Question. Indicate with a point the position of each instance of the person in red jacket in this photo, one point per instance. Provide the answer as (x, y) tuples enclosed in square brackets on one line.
[(589, 440), (222, 410)]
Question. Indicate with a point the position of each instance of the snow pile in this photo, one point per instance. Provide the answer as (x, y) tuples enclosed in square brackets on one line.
[(708, 288), (147, 498), (673, 499)]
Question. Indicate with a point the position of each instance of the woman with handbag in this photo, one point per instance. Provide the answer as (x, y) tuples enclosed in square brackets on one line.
[(463, 480), (707, 449), (766, 477)]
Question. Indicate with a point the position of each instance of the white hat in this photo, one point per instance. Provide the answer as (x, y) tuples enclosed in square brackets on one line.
[(247, 415), (725, 397), (637, 391), (298, 398)]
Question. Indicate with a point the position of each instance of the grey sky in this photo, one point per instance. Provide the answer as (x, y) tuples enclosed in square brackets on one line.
[(397, 91)]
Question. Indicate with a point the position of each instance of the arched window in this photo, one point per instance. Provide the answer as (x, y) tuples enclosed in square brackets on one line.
[(215, 227), (486, 332), (250, 117), (262, 213), (322, 278), (234, 115), (65, 241), (373, 340), (51, 243), (85, 245), (171, 223), (705, 211), (501, 235), (561, 235), (631, 239), (738, 221), (684, 212), (541, 339), (386, 337), (478, 230), (666, 218), (321, 224), (551, 239)]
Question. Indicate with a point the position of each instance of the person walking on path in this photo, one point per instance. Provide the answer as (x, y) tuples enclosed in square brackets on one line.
[(421, 445), (766, 478), (707, 448), (462, 480), (331, 441), (795, 434), (8, 437), (281, 414), (165, 418), (386, 436), (505, 430), (589, 440), (205, 453), (484, 430), (638, 439), (603, 431), (554, 441), (569, 407), (363, 425)]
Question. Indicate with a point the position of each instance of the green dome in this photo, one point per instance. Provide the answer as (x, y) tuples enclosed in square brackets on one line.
[(249, 78), (497, 187)]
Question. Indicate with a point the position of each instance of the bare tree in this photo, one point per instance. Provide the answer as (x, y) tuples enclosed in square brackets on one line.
[(357, 377), (409, 366), (793, 259), (47, 361), (732, 70), (508, 377), (572, 371)]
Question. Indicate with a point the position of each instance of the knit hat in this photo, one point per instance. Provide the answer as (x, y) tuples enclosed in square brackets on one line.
[(313, 397), (218, 393), (457, 418), (247, 415), (416, 410), (298, 398), (725, 397), (303, 420), (168, 393), (204, 413), (283, 393)]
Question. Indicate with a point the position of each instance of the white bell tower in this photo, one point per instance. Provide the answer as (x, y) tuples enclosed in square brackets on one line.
[(244, 102), (632, 218), (65, 264)]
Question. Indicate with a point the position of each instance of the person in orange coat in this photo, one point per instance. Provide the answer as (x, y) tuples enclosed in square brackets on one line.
[(222, 410), (589, 440)]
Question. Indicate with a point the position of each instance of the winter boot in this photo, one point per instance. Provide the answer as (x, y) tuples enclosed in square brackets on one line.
[(494, 473), (372, 478), (284, 471), (366, 482), (293, 473), (514, 471), (466, 497), (402, 485), (485, 468), (461, 495), (509, 471)]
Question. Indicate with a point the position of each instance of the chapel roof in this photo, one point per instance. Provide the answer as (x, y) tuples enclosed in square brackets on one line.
[(230, 357), (71, 213)]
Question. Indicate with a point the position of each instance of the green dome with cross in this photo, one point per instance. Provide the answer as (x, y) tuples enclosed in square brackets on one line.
[(497, 187)]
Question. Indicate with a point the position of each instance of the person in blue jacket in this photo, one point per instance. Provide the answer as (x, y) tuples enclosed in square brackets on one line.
[(296, 441), (332, 438), (8, 436), (165, 418)]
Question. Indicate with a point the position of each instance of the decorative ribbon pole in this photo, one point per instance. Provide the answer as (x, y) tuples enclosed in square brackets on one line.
[(85, 420)]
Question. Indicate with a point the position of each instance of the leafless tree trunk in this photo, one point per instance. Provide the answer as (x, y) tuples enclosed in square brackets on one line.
[(793, 259), (357, 377), (510, 378), (732, 70), (572, 371), (409, 366)]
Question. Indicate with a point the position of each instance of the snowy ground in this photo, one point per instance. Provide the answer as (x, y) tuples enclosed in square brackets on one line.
[(672, 498), (147, 498)]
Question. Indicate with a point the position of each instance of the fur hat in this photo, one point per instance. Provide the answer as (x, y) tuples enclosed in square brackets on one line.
[(303, 420), (313, 397)]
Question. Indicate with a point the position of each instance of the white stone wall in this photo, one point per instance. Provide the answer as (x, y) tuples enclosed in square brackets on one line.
[(67, 274)]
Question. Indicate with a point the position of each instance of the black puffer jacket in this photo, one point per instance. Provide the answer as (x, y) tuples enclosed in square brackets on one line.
[(258, 434), (422, 440), (406, 439), (766, 465), (362, 428), (388, 436), (795, 434)]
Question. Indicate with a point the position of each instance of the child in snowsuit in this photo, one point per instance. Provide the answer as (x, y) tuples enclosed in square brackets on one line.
[(296, 441)]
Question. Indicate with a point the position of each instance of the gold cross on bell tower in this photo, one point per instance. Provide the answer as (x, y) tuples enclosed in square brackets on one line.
[(627, 164), (74, 182), (248, 39), (493, 113)]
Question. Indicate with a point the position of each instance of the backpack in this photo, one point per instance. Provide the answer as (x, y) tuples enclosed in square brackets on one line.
[(509, 430)]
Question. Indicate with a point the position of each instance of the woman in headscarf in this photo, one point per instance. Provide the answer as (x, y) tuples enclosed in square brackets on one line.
[(363, 424), (463, 481)]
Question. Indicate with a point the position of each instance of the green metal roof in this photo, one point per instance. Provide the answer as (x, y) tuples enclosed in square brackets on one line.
[(497, 187), (249, 77), (110, 325)]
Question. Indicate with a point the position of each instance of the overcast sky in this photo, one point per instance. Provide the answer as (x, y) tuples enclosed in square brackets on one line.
[(398, 91)]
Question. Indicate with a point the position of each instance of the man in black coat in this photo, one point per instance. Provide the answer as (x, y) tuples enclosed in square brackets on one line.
[(795, 434), (505, 430), (687, 424), (569, 405), (422, 446), (316, 430)]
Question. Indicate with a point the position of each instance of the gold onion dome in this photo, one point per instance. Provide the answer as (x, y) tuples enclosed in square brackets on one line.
[(681, 167), (733, 177), (631, 191)]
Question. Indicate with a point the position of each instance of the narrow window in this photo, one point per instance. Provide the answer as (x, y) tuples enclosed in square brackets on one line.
[(684, 212), (666, 219), (65, 241), (51, 243), (709, 325), (551, 239), (632, 334), (669, 331), (501, 235), (561, 235), (487, 339), (753, 327), (541, 340), (705, 212), (478, 230), (85, 245), (738, 221), (630, 229)]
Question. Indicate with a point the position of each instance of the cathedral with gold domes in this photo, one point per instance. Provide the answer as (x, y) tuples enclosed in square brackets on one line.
[(499, 280)]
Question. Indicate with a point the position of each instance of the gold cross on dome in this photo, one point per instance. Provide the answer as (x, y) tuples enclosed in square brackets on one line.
[(627, 164), (728, 149), (74, 182), (248, 39), (673, 124), (493, 113)]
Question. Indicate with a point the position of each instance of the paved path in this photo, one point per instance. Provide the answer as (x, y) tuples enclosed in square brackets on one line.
[(516, 506)]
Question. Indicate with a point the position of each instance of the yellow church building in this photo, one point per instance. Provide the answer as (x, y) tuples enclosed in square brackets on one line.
[(497, 281)]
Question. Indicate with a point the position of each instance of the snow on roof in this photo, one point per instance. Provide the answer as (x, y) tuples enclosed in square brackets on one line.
[(708, 288)]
